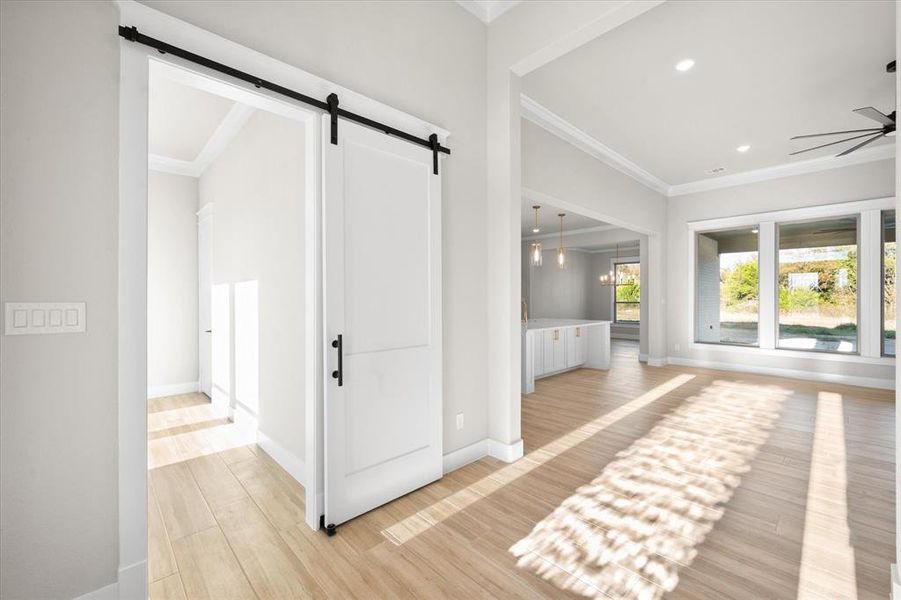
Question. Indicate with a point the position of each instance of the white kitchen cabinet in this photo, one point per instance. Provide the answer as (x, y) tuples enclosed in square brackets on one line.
[(538, 358), (554, 350), (575, 346), (550, 346)]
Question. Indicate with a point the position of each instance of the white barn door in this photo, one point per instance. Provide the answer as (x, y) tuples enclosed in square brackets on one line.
[(382, 280)]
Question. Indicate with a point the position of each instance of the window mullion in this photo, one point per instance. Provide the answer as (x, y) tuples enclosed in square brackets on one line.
[(769, 299), (869, 283)]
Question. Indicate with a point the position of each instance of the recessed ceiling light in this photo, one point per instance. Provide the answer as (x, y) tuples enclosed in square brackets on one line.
[(685, 65), (743, 148)]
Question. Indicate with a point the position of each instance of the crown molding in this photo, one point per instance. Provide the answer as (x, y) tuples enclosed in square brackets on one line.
[(230, 126), (546, 236), (173, 166), (557, 125), (487, 10), (801, 167)]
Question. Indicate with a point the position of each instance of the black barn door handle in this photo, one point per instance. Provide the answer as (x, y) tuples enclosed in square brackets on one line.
[(339, 374)]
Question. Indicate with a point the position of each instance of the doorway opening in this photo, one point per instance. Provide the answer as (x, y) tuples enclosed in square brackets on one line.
[(231, 311), (579, 272)]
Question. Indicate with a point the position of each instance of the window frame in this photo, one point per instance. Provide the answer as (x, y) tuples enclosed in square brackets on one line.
[(694, 283), (869, 275), (625, 261), (857, 216), (882, 215)]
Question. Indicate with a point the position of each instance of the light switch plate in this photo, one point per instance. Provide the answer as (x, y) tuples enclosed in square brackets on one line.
[(37, 318)]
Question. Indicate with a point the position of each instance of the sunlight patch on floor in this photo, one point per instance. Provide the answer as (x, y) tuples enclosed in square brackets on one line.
[(190, 431), (627, 533), (827, 556), (423, 520)]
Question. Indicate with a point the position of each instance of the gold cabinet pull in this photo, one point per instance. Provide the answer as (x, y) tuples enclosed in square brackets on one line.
[(556, 334), (578, 332)]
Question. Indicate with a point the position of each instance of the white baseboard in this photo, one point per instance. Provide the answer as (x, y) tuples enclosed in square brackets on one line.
[(220, 398), (656, 361), (505, 452), (285, 458), (107, 592), (487, 447), (132, 585), (871, 382), (896, 583), (172, 389), (642, 357), (465, 455), (133, 581)]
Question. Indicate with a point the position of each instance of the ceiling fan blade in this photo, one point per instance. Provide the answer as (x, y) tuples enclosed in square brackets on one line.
[(871, 113), (860, 145), (800, 137), (856, 137)]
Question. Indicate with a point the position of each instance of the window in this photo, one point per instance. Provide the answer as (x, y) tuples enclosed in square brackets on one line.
[(727, 287), (817, 283), (888, 282), (627, 293)]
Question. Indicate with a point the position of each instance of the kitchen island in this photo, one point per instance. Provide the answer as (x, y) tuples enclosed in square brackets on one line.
[(551, 346)]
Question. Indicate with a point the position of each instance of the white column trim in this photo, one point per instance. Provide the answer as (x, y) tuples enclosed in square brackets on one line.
[(869, 283), (768, 274)]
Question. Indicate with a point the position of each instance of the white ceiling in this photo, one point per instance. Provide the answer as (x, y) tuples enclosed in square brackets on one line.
[(488, 10), (182, 119), (764, 71), (549, 222)]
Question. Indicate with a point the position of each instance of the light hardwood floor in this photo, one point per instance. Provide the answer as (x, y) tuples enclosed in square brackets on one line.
[(639, 482)]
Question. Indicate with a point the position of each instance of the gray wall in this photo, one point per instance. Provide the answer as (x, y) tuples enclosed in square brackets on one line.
[(560, 293), (59, 238), (257, 191), (859, 182), (59, 77), (171, 279)]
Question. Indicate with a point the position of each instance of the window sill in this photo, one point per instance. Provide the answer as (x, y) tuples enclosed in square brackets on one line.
[(803, 354), (629, 325)]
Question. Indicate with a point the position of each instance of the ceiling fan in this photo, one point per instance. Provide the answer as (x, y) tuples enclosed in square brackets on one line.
[(886, 122)]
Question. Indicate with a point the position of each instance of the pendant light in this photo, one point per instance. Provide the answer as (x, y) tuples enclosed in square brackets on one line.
[(561, 251), (608, 279), (535, 254), (535, 248)]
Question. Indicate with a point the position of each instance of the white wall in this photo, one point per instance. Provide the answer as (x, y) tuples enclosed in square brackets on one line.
[(171, 280), (859, 182), (257, 189), (59, 78), (556, 169)]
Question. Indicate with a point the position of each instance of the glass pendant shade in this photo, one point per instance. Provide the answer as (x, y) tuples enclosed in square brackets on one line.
[(535, 254), (536, 228), (561, 251)]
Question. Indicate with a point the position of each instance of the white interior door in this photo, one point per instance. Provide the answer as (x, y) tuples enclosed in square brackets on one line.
[(382, 265), (204, 295)]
